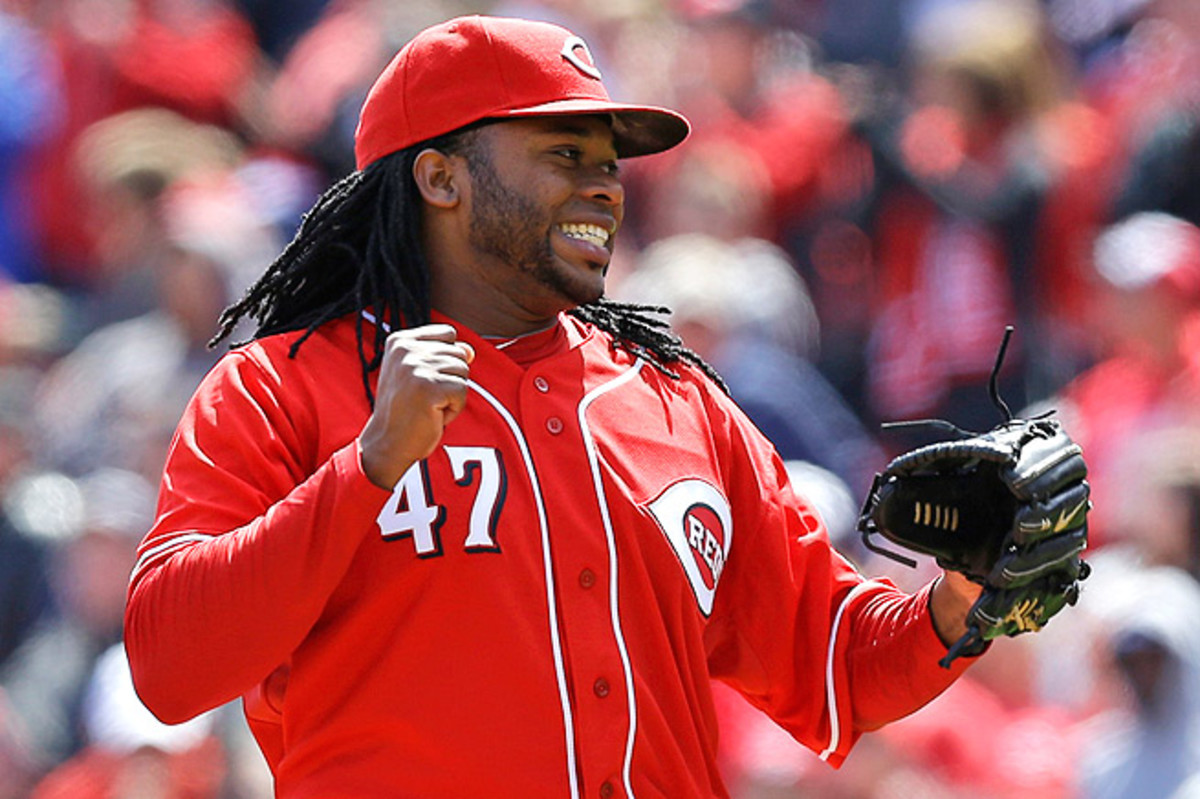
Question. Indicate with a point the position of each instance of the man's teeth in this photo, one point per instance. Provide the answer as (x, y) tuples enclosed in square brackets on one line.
[(593, 234)]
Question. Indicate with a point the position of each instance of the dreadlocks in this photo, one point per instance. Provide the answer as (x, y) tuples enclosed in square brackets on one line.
[(635, 330), (358, 247)]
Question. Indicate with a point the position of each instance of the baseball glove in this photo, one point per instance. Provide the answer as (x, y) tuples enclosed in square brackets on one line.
[(1007, 508)]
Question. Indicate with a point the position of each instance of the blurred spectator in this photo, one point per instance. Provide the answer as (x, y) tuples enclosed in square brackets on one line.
[(18, 772), (966, 164), (744, 309), (773, 155), (279, 189), (1151, 91), (277, 26), (310, 105), (1147, 375), (756, 98), (1149, 745), (29, 95), (1093, 28), (939, 752), (127, 163), (31, 325), (24, 590), (1001, 699), (115, 399), (718, 187), (33, 330), (932, 170), (129, 753), (94, 525), (1154, 499), (864, 31), (108, 401), (196, 58)]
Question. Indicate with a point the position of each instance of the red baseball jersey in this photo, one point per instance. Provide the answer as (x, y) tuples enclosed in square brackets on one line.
[(537, 609)]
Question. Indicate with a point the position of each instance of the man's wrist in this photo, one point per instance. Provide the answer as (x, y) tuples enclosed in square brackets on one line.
[(950, 602)]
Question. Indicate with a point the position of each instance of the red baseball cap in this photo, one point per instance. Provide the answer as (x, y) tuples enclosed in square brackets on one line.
[(478, 67)]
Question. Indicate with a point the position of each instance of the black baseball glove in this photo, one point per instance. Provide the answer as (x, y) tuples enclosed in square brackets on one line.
[(1007, 508)]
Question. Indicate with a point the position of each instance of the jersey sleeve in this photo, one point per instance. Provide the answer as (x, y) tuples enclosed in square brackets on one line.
[(798, 630), (253, 532)]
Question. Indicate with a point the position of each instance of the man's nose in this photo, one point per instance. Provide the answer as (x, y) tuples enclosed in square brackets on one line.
[(605, 187)]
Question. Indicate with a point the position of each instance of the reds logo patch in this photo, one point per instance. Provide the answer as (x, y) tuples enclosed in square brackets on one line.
[(695, 518), (575, 50)]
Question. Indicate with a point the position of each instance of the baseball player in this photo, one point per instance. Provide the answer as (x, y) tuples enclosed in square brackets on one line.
[(453, 524)]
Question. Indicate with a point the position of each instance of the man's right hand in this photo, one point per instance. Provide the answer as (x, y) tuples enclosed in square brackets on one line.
[(422, 386)]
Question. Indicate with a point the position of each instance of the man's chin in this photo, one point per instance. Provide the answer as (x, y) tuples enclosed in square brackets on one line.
[(588, 297), (576, 289)]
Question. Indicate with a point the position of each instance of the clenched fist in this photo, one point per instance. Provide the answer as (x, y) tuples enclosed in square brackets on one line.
[(422, 387)]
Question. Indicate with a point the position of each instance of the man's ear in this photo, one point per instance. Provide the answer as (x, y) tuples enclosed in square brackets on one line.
[(439, 177)]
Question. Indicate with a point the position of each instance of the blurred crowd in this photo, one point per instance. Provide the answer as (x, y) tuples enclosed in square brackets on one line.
[(872, 191)]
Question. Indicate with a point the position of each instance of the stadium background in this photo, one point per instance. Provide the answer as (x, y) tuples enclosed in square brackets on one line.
[(873, 189)]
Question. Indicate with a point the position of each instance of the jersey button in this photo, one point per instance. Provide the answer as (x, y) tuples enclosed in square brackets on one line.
[(541, 384), (587, 578), (601, 688), (554, 425), (607, 790)]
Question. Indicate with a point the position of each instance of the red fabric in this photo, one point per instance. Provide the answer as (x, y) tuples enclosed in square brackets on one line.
[(553, 606), (498, 67), (894, 642), (95, 773)]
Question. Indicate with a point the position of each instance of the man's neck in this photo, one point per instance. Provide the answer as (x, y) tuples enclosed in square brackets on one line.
[(487, 309)]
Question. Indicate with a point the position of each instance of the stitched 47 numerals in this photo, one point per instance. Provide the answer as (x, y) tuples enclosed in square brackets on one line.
[(413, 511)]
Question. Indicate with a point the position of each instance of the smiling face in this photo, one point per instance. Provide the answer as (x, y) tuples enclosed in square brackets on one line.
[(540, 204)]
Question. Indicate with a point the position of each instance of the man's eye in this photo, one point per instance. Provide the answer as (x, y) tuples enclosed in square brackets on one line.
[(570, 153), (612, 168)]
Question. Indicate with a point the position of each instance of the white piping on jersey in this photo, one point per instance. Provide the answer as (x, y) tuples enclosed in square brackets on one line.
[(560, 672), (547, 563), (835, 725), (614, 605), (501, 342), (164, 548)]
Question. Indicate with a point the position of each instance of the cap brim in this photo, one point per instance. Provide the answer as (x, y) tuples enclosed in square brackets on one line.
[(637, 129)]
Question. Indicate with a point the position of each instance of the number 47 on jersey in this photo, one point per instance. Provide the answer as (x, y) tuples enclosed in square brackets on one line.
[(414, 512)]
